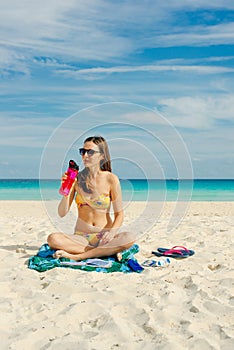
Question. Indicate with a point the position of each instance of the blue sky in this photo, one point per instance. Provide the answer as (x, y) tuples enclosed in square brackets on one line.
[(126, 69)]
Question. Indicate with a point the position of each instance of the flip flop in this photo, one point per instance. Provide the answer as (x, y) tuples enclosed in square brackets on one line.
[(184, 250), (177, 252)]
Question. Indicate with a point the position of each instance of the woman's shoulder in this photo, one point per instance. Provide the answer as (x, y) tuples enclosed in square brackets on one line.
[(111, 177)]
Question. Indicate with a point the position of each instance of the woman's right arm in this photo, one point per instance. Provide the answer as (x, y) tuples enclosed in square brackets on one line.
[(66, 201)]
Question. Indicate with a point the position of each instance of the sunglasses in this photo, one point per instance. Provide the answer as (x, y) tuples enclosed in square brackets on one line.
[(90, 152)]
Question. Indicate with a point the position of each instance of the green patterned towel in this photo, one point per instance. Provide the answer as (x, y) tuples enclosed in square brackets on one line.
[(44, 261)]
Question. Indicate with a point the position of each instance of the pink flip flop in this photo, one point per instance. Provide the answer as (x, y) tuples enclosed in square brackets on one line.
[(178, 252)]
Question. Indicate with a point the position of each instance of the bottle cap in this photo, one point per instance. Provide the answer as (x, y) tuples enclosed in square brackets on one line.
[(73, 165)]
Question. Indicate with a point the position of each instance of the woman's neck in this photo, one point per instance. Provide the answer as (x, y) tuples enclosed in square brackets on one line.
[(93, 172)]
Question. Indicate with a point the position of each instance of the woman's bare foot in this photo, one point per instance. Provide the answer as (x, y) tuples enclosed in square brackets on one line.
[(119, 256), (62, 254)]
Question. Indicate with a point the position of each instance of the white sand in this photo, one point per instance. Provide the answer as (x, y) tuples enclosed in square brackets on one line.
[(187, 305)]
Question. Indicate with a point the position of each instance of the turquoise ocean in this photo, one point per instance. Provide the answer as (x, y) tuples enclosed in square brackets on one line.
[(133, 190)]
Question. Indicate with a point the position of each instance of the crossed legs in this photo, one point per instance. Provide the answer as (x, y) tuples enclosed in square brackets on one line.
[(77, 247)]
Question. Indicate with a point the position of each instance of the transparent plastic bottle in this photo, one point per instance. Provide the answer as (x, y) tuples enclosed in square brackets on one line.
[(163, 262), (72, 172)]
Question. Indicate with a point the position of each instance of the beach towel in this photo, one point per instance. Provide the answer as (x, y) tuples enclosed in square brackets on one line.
[(44, 261)]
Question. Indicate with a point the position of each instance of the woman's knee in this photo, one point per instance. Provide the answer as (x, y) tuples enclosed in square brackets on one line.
[(54, 239), (128, 239)]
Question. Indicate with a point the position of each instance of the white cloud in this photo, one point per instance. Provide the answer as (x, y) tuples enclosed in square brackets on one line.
[(198, 112), (11, 60), (150, 68), (98, 30), (68, 29), (193, 61), (194, 36), (25, 130)]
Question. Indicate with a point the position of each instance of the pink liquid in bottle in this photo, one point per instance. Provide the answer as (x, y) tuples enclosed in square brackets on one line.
[(72, 172)]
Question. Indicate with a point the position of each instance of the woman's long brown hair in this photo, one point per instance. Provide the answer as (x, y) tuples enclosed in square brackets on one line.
[(105, 163)]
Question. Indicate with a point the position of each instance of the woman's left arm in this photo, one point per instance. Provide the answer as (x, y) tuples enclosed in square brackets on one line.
[(116, 199)]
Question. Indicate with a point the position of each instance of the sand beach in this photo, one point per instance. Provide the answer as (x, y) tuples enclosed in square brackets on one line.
[(186, 305)]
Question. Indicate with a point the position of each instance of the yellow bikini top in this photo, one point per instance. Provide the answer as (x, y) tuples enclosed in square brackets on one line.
[(100, 202)]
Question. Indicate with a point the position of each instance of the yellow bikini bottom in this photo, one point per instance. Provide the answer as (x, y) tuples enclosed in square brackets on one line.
[(93, 238)]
